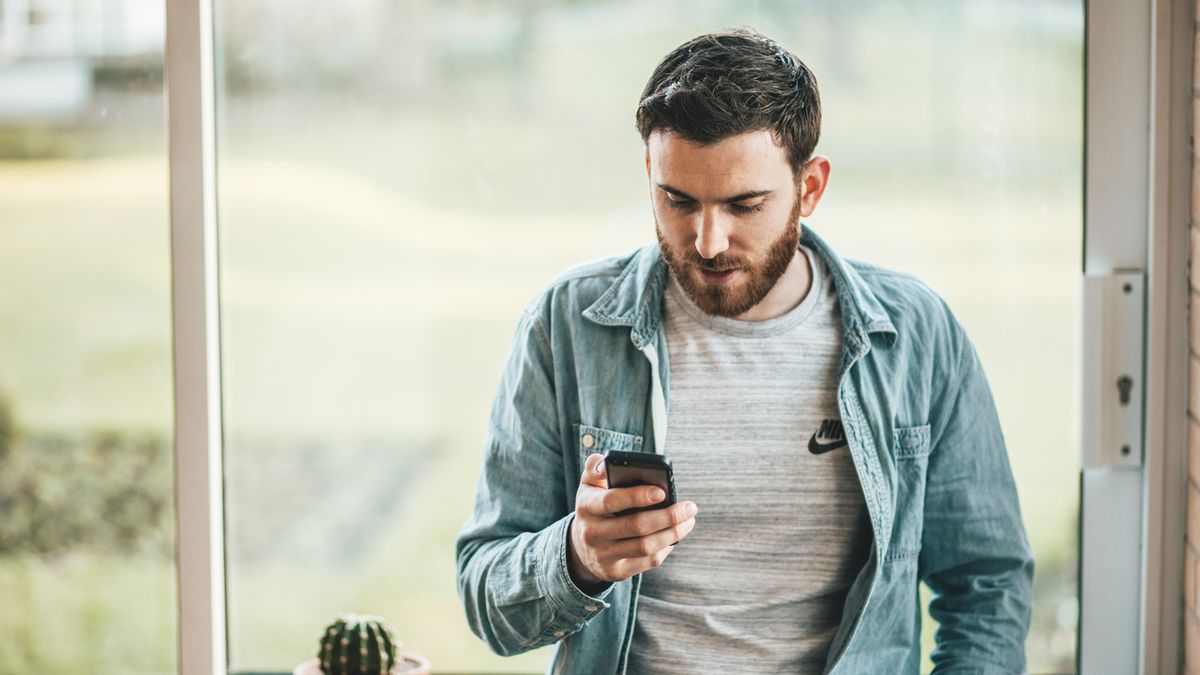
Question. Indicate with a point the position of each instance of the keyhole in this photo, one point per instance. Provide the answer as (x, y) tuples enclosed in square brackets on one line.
[(1124, 384)]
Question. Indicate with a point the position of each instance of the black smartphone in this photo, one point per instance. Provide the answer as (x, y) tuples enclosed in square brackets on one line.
[(627, 469)]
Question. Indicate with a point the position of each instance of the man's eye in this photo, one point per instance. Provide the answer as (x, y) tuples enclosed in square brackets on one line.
[(741, 208), (679, 203)]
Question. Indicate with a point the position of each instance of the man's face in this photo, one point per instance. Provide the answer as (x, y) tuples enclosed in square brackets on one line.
[(726, 214)]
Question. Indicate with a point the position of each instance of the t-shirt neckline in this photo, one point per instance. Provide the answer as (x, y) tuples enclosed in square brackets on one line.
[(759, 329)]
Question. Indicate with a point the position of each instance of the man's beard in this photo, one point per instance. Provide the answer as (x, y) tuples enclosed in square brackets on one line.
[(760, 276)]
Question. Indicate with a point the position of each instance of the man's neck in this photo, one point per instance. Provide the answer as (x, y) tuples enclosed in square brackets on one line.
[(788, 292)]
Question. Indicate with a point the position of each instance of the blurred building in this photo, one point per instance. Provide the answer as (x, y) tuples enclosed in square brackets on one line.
[(53, 52)]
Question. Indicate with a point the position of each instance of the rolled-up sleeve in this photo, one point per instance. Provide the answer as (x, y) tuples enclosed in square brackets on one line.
[(975, 554), (511, 556)]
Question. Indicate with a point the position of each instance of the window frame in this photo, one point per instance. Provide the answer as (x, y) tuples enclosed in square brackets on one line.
[(1136, 217), (199, 494), (1138, 63)]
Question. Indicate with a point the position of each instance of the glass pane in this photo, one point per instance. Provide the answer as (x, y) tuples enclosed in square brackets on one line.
[(389, 205), (87, 570)]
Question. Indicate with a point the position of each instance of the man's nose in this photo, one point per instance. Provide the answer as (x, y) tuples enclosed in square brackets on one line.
[(713, 237)]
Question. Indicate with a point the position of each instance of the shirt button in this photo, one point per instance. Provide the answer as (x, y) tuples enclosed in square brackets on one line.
[(591, 608), (588, 441), (559, 633)]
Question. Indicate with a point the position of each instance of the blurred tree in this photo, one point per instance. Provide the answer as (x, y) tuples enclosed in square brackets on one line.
[(107, 491)]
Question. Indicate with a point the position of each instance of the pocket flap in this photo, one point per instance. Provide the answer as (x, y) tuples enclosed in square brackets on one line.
[(596, 439), (911, 442)]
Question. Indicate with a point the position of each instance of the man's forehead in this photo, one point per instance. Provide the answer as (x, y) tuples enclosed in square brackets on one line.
[(742, 163), (761, 143)]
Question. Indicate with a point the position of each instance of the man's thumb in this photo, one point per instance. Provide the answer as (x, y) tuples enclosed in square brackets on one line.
[(593, 470)]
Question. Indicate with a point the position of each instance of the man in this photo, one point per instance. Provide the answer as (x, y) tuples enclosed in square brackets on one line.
[(833, 436)]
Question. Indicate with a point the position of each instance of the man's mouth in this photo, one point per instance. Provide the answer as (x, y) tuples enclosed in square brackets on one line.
[(715, 277)]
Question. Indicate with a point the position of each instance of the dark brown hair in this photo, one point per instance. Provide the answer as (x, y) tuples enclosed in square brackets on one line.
[(722, 84)]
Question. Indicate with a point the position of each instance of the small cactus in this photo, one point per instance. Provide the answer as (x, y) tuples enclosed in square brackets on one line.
[(358, 645)]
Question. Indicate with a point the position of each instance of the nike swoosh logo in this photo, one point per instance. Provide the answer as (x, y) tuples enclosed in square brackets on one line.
[(816, 447)]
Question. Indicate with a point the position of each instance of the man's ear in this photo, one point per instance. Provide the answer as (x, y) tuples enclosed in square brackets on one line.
[(647, 163), (814, 177)]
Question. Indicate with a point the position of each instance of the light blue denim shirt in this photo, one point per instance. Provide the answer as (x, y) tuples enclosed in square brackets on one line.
[(589, 359)]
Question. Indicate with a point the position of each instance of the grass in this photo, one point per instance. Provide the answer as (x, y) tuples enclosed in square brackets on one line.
[(85, 613)]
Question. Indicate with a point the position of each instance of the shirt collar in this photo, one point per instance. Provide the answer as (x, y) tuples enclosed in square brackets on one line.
[(635, 298)]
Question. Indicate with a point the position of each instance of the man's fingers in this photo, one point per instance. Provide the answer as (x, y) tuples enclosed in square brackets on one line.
[(593, 471), (649, 522), (615, 500), (601, 501), (644, 522), (651, 544), (632, 566)]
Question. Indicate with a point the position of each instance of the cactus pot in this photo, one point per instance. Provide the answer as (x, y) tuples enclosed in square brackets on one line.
[(409, 664)]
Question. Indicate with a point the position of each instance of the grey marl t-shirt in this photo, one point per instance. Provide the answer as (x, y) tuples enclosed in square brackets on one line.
[(758, 585)]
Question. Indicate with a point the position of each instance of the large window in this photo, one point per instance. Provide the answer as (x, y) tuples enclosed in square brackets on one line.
[(396, 181), (87, 574)]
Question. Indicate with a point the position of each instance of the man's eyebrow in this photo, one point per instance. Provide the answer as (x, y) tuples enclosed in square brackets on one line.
[(728, 200)]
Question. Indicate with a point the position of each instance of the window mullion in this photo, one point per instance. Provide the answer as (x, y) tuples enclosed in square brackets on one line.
[(196, 337)]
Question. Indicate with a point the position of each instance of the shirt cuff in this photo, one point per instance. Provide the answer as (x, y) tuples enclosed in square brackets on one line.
[(556, 577)]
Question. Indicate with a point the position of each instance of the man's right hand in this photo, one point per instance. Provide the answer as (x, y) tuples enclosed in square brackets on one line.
[(603, 547)]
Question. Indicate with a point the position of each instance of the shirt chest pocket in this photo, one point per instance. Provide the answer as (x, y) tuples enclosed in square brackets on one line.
[(910, 447), (591, 439)]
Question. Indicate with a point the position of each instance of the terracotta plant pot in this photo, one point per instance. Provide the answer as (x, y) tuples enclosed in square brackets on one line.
[(408, 664)]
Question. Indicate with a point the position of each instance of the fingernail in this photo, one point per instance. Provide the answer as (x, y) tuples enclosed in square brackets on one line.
[(600, 466), (690, 510), (657, 494)]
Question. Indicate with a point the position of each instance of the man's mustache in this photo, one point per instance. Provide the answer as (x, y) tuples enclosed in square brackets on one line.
[(720, 263)]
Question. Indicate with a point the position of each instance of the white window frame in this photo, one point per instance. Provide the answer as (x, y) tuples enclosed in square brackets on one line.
[(199, 493), (1137, 169), (1137, 164)]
